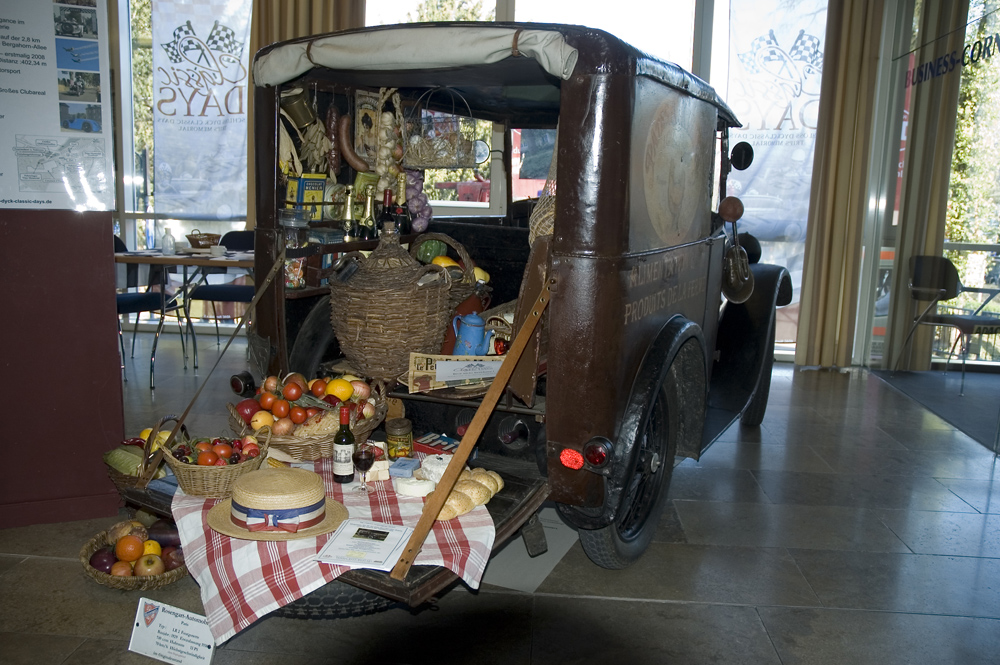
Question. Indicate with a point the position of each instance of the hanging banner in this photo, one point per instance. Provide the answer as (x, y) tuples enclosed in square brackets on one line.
[(776, 67), (200, 64), (55, 112)]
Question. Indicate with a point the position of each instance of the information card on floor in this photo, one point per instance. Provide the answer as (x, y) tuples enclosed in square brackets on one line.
[(171, 634)]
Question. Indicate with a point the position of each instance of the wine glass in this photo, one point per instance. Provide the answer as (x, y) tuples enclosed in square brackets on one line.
[(364, 458)]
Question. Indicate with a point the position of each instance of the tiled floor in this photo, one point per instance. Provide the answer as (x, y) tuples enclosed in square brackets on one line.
[(852, 527)]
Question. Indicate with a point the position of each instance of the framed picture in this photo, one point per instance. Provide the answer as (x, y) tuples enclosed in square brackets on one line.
[(366, 125)]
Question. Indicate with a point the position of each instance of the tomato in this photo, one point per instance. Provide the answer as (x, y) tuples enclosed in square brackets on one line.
[(267, 400), (280, 408), (223, 450), (207, 458), (202, 446), (297, 414), (311, 411), (318, 388), (291, 391)]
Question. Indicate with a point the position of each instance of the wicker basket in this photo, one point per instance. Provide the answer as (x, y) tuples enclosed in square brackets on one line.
[(216, 482), (439, 140), (150, 458), (311, 448), (124, 583), (460, 289), (390, 308), (201, 240)]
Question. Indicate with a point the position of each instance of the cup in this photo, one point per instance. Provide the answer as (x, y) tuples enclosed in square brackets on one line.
[(217, 250)]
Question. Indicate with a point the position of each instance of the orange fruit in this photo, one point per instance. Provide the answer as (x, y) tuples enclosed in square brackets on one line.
[(340, 388), (151, 547), (128, 548)]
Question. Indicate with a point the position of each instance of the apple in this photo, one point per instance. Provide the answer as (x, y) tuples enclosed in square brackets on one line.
[(122, 569), (149, 565), (174, 558), (296, 377), (103, 559), (332, 400)]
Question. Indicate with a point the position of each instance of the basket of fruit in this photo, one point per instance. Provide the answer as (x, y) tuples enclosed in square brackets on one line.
[(135, 462), (304, 415), (209, 467), (201, 240), (130, 557)]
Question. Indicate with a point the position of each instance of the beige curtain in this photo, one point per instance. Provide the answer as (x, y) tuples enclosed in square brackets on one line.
[(838, 198), (924, 190), (278, 20)]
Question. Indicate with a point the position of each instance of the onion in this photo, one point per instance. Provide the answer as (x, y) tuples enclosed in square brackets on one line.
[(271, 384), (361, 390), (282, 426), (368, 410)]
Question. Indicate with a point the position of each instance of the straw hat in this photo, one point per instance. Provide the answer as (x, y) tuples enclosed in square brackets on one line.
[(270, 504)]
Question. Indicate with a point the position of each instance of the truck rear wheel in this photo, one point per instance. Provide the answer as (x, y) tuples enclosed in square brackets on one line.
[(753, 415), (677, 405), (313, 340)]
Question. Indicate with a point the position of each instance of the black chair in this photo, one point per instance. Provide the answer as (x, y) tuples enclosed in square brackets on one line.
[(935, 279), (136, 302), (239, 241)]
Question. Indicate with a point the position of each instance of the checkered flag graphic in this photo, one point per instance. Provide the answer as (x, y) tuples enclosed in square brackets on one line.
[(763, 49), (223, 39), (172, 48), (806, 49)]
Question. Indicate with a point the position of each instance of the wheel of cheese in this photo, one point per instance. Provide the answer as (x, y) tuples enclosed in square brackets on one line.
[(433, 467), (412, 486)]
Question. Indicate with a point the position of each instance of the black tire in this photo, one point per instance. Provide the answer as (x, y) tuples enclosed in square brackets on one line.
[(336, 600), (753, 415), (87, 128), (676, 406), (313, 339), (65, 124)]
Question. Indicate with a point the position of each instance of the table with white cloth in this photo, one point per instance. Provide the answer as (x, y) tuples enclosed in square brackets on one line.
[(243, 580)]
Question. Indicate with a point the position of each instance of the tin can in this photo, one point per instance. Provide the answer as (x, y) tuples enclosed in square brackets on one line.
[(399, 438)]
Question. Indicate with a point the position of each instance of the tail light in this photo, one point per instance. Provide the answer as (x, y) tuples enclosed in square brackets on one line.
[(571, 459), (597, 452)]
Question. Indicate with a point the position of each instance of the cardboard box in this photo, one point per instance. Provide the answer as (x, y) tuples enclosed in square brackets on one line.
[(307, 188)]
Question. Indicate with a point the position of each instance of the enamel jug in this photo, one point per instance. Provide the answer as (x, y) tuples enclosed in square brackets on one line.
[(471, 336)]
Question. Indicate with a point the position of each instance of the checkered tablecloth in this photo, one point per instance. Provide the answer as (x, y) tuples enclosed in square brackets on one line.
[(242, 580)]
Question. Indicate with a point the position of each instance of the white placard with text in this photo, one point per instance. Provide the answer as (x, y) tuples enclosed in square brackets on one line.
[(171, 634)]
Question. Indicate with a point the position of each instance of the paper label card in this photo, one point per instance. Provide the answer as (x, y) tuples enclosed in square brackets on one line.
[(171, 634)]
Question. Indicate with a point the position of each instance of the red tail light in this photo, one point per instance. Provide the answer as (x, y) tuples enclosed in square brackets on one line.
[(571, 459), (597, 452)]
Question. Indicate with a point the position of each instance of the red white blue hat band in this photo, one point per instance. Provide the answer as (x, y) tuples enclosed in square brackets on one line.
[(285, 519)]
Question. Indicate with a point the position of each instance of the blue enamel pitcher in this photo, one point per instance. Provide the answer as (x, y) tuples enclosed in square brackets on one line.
[(471, 336)]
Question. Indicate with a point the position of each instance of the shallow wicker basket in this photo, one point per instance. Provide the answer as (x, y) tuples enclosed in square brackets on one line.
[(385, 312), (125, 482), (460, 288), (216, 482), (124, 583), (201, 240), (311, 448)]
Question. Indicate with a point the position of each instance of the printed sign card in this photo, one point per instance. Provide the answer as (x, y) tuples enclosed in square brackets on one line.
[(171, 634)]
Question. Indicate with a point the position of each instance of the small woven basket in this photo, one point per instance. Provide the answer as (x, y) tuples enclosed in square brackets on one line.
[(460, 289), (438, 140), (216, 482), (124, 583), (311, 448), (390, 307), (201, 240), (150, 458)]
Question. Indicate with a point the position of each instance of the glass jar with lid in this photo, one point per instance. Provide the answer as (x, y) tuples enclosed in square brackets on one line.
[(295, 225)]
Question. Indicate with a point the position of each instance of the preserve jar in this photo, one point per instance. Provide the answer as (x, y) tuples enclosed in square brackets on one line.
[(399, 438), (295, 225)]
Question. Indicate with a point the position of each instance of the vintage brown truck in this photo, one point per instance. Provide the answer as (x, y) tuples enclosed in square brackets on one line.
[(640, 360)]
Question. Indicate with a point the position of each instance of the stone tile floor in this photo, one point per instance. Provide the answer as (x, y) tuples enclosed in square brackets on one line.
[(852, 526)]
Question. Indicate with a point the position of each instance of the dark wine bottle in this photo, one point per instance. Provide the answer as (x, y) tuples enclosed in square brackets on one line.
[(343, 449), (387, 210), (400, 210)]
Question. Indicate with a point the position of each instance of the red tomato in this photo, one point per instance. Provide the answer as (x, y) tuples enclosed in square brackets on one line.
[(280, 408), (318, 388), (297, 414), (202, 446), (223, 450), (207, 458), (291, 391), (311, 411), (267, 400)]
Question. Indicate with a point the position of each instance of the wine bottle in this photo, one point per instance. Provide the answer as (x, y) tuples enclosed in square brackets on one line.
[(350, 226), (366, 226), (343, 448), (387, 214), (401, 212)]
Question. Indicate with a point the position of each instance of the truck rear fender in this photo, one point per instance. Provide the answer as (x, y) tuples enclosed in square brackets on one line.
[(656, 362)]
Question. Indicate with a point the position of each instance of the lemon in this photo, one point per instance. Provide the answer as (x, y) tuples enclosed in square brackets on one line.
[(161, 437), (481, 275), (340, 388), (151, 547), (445, 261)]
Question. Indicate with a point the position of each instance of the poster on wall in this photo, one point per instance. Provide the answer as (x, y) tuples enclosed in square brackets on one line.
[(775, 72), (200, 75), (55, 112)]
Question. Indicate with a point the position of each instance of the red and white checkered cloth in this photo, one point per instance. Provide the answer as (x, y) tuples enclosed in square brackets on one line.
[(242, 580)]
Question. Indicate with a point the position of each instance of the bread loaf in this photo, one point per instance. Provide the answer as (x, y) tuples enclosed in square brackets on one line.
[(484, 478), (456, 504), (478, 492)]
